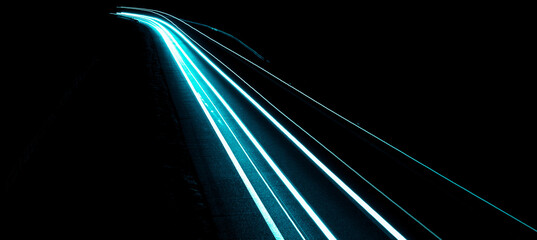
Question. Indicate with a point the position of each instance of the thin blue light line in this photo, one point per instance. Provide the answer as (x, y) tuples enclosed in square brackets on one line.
[(268, 219), (251, 162), (322, 145), (336, 179), (207, 26), (381, 140), (449, 180), (273, 165)]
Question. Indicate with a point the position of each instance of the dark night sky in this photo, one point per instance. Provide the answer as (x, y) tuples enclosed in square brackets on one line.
[(448, 84)]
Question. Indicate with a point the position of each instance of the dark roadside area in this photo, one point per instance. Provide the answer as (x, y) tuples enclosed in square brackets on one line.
[(93, 147)]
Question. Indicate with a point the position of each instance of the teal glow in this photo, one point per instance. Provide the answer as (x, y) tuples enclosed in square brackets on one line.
[(371, 134), (367, 132), (314, 159), (160, 13), (265, 155), (177, 57), (251, 162), (206, 26), (175, 47)]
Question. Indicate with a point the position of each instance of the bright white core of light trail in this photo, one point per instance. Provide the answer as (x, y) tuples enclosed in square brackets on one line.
[(278, 172), (325, 169), (177, 57), (247, 155), (357, 126), (161, 14), (354, 124)]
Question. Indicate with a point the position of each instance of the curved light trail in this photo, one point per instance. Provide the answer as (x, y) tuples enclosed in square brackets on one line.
[(189, 69), (362, 129), (173, 47), (378, 139), (242, 146)]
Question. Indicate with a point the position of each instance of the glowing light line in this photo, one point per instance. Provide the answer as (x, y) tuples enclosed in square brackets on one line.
[(371, 134), (268, 219), (354, 124), (251, 161), (325, 169), (265, 155), (294, 123), (160, 13), (203, 25), (396, 149), (271, 163)]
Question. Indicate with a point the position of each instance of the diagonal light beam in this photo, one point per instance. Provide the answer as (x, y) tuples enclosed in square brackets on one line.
[(170, 42), (265, 155), (364, 130), (388, 227)]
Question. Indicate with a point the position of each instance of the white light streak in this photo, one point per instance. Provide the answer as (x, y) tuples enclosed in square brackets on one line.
[(315, 160), (177, 57)]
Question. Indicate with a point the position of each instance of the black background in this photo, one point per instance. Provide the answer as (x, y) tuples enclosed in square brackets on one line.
[(449, 84)]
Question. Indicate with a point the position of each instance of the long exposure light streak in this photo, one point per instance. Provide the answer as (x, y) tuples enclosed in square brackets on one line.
[(246, 154), (160, 13), (372, 135), (177, 57), (382, 141), (265, 155), (185, 22), (272, 164), (284, 179), (388, 227)]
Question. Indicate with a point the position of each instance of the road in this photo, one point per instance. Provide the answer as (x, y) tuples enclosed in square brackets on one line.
[(265, 176)]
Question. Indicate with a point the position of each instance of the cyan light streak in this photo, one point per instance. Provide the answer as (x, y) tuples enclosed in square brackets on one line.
[(253, 164), (272, 164), (394, 148), (183, 66), (171, 43), (250, 160), (160, 13), (206, 26), (265, 155), (284, 179), (369, 133), (179, 55), (388, 227)]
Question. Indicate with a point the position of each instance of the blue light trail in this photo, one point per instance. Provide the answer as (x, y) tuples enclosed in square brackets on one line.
[(365, 131), (177, 41), (282, 176), (185, 22), (226, 123), (384, 142), (191, 72), (172, 47)]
